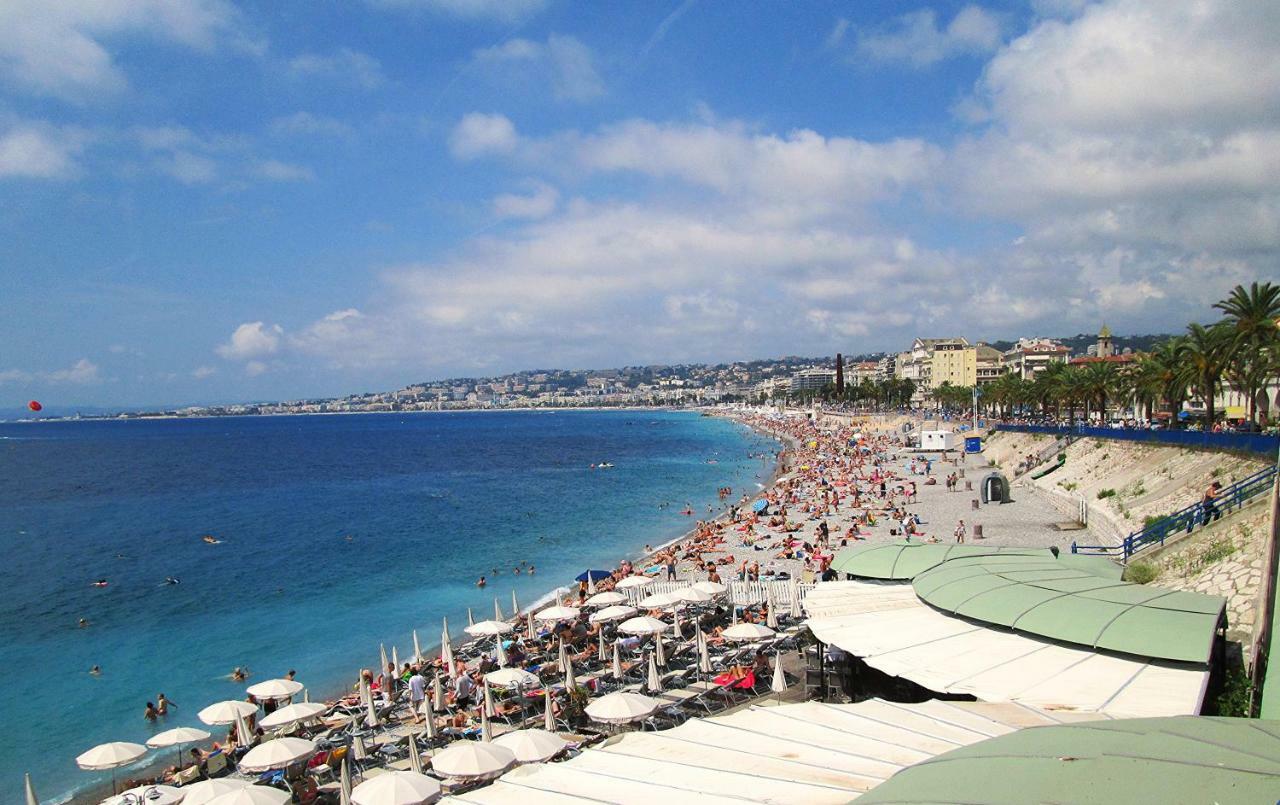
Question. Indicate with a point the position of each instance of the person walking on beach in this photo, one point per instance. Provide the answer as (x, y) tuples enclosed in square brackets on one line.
[(671, 567), (960, 532), (417, 693)]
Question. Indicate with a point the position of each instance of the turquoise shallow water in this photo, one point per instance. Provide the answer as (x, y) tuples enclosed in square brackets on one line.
[(338, 533)]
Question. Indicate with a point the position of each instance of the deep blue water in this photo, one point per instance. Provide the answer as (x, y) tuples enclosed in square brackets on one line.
[(338, 533)]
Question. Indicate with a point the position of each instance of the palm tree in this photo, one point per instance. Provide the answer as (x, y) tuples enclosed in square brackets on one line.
[(1253, 318), (1047, 386), (1098, 380), (1204, 352), (1146, 382)]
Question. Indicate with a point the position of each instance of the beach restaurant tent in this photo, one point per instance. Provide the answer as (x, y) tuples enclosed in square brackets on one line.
[(810, 752), (1178, 759), (904, 560), (892, 630)]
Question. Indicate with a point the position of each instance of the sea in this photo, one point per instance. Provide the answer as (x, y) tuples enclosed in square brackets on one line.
[(336, 534)]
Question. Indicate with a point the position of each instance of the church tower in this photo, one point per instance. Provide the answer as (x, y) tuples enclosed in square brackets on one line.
[(1105, 348)]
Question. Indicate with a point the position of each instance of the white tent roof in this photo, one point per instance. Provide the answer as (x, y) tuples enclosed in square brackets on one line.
[(810, 752), (893, 631)]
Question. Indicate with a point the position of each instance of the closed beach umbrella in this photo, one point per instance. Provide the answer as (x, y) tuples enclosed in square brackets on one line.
[(500, 652), (177, 737), (654, 683), (470, 618), (591, 586), (437, 694), (747, 631), (291, 714), (771, 617), (382, 652), (613, 613), (417, 649), (244, 735), (488, 628), (660, 650), (29, 790), (226, 712), (395, 658), (276, 754), (497, 610), (358, 750), (512, 678), (634, 581), (371, 712), (515, 606), (562, 660), (529, 628), (486, 729), (149, 794), (601, 654), (396, 788), (344, 784), (489, 709), (642, 626), (657, 601), (415, 757), (552, 614), (617, 662), (711, 587), (110, 756), (622, 708), (250, 795), (205, 791), (569, 682), (704, 656), (532, 746), (473, 760), (429, 723), (796, 611), (677, 625), (548, 715), (606, 599), (779, 678), (275, 689)]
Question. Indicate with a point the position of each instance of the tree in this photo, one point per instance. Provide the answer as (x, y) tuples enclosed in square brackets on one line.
[(1204, 352), (1253, 319)]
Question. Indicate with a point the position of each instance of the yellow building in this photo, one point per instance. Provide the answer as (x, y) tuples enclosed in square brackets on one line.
[(953, 361)]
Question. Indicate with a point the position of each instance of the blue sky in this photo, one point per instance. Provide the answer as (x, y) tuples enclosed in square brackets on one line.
[(215, 201)]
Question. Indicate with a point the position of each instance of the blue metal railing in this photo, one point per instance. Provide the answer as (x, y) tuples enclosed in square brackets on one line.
[(1230, 498), (1265, 444)]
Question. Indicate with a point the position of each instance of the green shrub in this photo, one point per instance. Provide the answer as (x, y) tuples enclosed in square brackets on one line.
[(1141, 573), (1103, 494), (1233, 699), (1062, 457), (1151, 519)]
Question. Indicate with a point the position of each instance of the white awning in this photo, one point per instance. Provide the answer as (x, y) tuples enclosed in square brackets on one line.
[(893, 631), (809, 752)]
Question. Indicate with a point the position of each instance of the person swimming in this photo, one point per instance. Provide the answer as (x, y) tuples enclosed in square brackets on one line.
[(82, 623), (96, 670), (238, 675), (172, 580), (100, 583), (481, 582), (211, 539)]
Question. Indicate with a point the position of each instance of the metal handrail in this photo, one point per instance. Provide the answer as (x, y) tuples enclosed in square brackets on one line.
[(1232, 497)]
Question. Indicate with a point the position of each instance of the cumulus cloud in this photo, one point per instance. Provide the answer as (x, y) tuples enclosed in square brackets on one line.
[(306, 123), (539, 202), (35, 150), (478, 134), (278, 171), (563, 62), (83, 372), (345, 65), (500, 10), (252, 340), (919, 40), (202, 372), (62, 49)]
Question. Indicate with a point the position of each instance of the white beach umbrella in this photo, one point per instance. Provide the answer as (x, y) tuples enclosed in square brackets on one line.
[(473, 760), (553, 614), (529, 628), (429, 724), (512, 678), (532, 746), (205, 791), (710, 587), (704, 656), (692, 595), (437, 694), (499, 652), (149, 794), (382, 652), (660, 650), (275, 689), (616, 612), (733, 617), (29, 790), (515, 605), (250, 795), (226, 712), (771, 615), (110, 756), (657, 601), (470, 618), (779, 678), (747, 631), (654, 682), (486, 729), (591, 584), (677, 624), (358, 750), (177, 737), (497, 610), (344, 783), (488, 628), (601, 649), (633, 581), (396, 788), (569, 682), (415, 757), (244, 735), (643, 625), (622, 708), (395, 658), (276, 754), (796, 611), (617, 662), (548, 715), (417, 648), (489, 709), (606, 599), (293, 713)]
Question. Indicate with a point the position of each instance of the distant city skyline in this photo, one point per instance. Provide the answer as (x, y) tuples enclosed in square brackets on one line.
[(231, 201)]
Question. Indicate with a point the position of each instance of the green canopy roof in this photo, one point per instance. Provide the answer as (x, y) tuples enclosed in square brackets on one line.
[(904, 560), (1049, 598), (1180, 759)]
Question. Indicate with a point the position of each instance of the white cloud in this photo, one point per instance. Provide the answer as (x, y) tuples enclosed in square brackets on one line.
[(278, 171), (187, 168), (564, 62), (61, 49), (501, 10), (82, 372), (252, 340), (306, 123), (344, 64), (917, 39), (202, 372), (539, 202), (39, 151), (255, 368), (478, 134)]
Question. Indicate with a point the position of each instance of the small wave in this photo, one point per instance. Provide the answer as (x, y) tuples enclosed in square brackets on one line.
[(547, 598)]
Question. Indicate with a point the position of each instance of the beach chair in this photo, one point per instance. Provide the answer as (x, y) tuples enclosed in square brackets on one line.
[(188, 775), (216, 765)]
